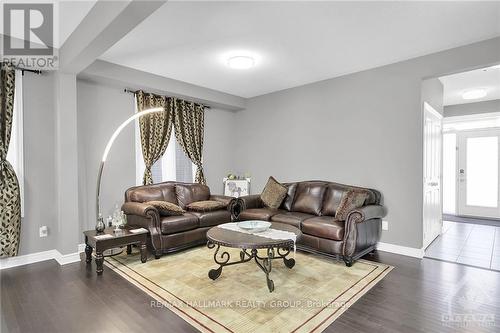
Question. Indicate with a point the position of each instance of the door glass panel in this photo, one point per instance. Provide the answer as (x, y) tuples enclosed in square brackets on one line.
[(482, 171)]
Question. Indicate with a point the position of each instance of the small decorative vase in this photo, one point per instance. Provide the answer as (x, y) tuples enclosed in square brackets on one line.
[(99, 226)]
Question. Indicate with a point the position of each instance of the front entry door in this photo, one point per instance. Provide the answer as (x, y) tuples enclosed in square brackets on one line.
[(432, 210), (478, 173)]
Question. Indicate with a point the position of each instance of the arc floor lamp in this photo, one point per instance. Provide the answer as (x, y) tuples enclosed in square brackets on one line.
[(99, 219)]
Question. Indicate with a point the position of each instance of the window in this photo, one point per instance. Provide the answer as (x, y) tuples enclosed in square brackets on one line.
[(174, 164), (15, 155)]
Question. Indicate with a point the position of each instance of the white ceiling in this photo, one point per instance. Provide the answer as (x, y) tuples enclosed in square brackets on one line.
[(298, 42), (485, 78), (71, 14)]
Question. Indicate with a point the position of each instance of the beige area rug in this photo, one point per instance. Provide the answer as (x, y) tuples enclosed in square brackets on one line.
[(307, 298)]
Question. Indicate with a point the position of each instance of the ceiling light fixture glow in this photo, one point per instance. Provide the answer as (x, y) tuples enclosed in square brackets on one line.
[(241, 62), (474, 94)]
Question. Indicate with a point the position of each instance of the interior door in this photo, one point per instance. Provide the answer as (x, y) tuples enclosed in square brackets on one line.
[(433, 146), (478, 173)]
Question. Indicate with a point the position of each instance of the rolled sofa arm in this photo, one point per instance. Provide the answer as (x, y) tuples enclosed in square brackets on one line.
[(362, 229), (251, 201), (145, 216), (367, 213), (234, 205), (139, 209)]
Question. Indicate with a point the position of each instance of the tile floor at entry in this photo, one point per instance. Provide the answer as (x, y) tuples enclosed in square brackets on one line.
[(470, 244)]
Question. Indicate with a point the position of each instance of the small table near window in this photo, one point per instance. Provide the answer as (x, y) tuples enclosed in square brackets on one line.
[(110, 239)]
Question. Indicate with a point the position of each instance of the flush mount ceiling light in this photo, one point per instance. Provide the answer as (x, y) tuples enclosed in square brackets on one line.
[(474, 94), (241, 62)]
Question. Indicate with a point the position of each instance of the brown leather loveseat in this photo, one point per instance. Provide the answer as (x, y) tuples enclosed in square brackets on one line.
[(311, 207), (171, 233)]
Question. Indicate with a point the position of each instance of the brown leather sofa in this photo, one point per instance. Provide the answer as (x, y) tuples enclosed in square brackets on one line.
[(172, 233), (311, 206)]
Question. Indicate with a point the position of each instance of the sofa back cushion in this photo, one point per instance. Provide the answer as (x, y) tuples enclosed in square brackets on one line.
[(333, 196), (188, 193), (309, 197), (290, 195), (155, 192)]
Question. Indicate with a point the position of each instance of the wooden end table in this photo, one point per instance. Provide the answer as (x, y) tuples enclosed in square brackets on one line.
[(118, 239)]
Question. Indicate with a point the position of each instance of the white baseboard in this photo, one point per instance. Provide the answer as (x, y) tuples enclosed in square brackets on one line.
[(32, 258), (64, 259), (402, 250), (81, 248), (27, 259)]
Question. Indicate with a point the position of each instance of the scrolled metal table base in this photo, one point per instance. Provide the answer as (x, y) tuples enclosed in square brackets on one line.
[(264, 263)]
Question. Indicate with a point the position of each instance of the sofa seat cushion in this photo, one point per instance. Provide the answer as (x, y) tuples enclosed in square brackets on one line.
[(209, 219), (175, 224), (324, 227), (292, 218), (258, 214), (206, 206)]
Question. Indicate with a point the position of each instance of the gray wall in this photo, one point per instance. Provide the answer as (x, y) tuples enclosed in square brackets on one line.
[(472, 108), (219, 147), (362, 129), (101, 109), (40, 198)]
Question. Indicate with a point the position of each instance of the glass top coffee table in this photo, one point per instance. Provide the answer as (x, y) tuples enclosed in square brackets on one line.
[(250, 244)]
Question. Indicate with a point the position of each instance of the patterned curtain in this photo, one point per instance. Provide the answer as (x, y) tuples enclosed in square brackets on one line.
[(189, 121), (155, 129), (10, 199)]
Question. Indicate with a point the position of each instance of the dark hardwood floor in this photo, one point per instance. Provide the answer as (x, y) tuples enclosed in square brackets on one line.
[(414, 297)]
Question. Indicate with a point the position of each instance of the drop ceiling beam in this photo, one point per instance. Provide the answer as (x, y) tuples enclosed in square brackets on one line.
[(125, 77), (105, 24)]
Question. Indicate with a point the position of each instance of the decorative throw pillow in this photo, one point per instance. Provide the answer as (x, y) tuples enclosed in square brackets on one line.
[(166, 208), (273, 194), (206, 206), (351, 199)]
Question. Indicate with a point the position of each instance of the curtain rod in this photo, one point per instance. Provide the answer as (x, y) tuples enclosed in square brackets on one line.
[(36, 71), (133, 92)]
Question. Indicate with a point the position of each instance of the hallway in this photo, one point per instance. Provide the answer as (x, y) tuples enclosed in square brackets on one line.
[(469, 244)]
